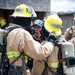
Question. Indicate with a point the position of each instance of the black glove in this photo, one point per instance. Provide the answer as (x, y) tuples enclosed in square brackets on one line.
[(53, 38)]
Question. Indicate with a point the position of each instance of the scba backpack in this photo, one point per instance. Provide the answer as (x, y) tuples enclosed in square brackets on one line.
[(7, 68)]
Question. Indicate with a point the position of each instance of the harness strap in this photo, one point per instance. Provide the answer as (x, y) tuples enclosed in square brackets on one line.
[(24, 64), (12, 28)]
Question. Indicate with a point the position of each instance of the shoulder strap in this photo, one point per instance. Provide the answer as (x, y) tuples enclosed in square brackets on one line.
[(12, 28), (9, 30)]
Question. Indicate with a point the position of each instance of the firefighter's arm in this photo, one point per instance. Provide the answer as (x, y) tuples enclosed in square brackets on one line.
[(33, 48), (38, 51)]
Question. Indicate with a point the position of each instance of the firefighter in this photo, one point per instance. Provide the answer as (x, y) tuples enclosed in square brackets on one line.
[(52, 24), (20, 40), (69, 33)]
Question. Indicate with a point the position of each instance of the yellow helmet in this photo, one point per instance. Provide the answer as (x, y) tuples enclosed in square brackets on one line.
[(2, 22), (24, 11), (53, 23)]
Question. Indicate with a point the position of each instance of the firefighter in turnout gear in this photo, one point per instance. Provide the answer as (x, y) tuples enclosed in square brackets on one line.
[(19, 40), (48, 66)]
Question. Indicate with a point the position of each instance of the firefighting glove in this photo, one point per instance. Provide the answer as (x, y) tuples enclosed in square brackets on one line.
[(53, 38)]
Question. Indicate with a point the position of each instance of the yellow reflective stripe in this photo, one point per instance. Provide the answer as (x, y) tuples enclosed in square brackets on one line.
[(53, 64), (16, 54), (9, 54), (12, 54), (26, 58)]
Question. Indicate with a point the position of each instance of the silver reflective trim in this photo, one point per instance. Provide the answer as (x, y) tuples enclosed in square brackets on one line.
[(18, 10), (55, 25)]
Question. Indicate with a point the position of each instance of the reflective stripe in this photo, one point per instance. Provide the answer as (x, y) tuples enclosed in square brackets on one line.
[(16, 54), (12, 54), (26, 58), (56, 25), (9, 54), (53, 65)]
